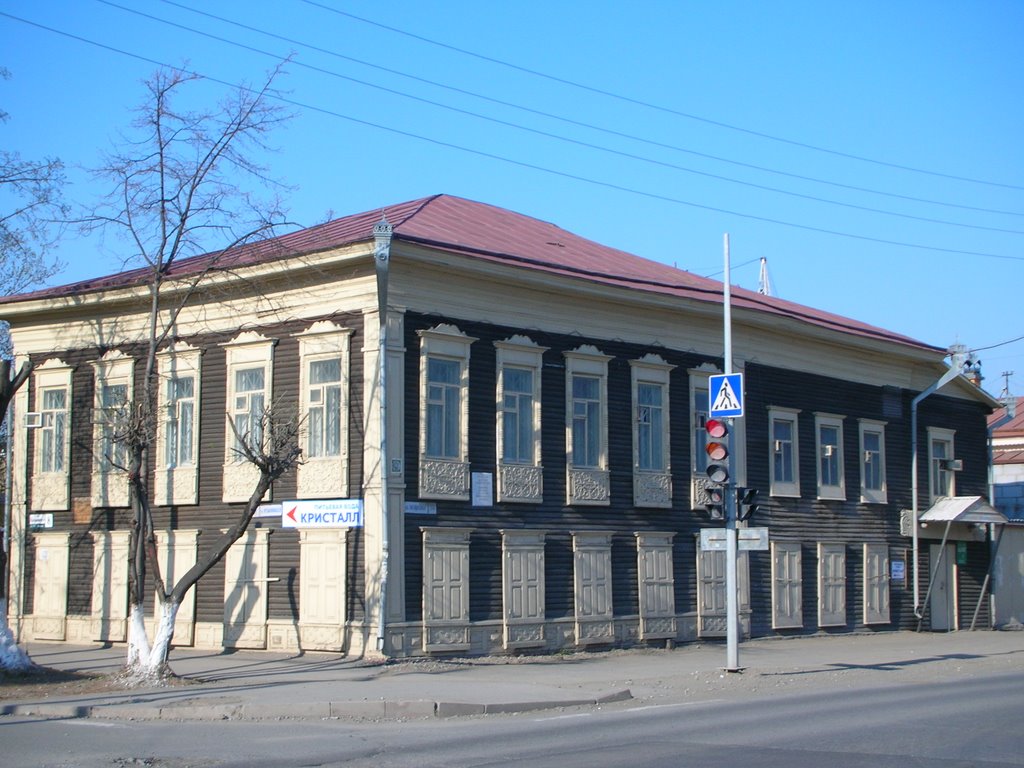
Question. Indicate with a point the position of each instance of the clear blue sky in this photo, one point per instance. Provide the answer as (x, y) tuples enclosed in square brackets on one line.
[(872, 152)]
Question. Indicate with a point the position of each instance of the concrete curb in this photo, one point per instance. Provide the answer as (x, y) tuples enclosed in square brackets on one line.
[(362, 710)]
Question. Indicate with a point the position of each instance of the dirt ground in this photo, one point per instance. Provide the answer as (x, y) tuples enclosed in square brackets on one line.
[(46, 683)]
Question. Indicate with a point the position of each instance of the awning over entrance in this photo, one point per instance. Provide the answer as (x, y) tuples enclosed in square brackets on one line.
[(963, 509)]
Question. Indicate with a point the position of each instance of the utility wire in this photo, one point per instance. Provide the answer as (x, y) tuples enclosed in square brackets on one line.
[(571, 121), (658, 107), (523, 164), (546, 134)]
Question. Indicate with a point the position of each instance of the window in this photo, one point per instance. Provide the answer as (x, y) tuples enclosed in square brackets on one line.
[(520, 475), (518, 434), (247, 413), (324, 355), (831, 477), (699, 406), (324, 413), (652, 478), (249, 383), (113, 391), (53, 429), (52, 439), (444, 408), (873, 489), (783, 450), (179, 429), (941, 479), (111, 450), (177, 454), (587, 426), (444, 414)]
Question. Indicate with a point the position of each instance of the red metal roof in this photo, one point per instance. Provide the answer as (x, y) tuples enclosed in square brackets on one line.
[(487, 232), (1014, 427)]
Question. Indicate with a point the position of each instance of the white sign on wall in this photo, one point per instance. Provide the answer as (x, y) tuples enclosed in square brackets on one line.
[(323, 513)]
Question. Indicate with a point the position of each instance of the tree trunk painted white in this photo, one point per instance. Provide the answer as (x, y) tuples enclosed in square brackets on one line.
[(13, 658), (164, 633)]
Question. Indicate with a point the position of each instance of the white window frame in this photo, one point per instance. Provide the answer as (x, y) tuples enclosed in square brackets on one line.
[(250, 350), (652, 486), (835, 491), (443, 477), (868, 495), (590, 484), (109, 481), (50, 489), (788, 488), (937, 436), (177, 482), (324, 476), (519, 481)]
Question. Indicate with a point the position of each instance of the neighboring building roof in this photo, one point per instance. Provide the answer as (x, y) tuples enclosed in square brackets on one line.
[(484, 231), (962, 509), (1012, 428)]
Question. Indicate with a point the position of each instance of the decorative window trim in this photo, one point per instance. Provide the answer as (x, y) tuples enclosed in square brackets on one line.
[(788, 488), (445, 478), (872, 495), (940, 435), (50, 490), (651, 487), (323, 477), (587, 485), (519, 481), (248, 350), (830, 491), (178, 484)]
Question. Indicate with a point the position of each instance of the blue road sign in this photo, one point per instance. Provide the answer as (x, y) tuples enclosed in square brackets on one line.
[(726, 395)]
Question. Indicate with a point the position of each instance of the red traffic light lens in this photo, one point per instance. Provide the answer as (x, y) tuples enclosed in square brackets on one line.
[(715, 428)]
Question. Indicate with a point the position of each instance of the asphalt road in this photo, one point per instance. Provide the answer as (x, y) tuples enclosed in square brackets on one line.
[(971, 721)]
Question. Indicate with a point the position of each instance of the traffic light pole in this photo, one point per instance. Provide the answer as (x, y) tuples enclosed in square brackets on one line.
[(729, 502)]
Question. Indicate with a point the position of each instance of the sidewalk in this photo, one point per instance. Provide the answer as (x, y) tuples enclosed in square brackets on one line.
[(261, 685)]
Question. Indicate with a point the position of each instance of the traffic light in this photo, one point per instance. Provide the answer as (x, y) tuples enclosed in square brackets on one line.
[(715, 506), (717, 449), (746, 503)]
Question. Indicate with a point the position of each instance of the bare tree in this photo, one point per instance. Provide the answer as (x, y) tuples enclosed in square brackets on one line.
[(181, 189), (30, 224)]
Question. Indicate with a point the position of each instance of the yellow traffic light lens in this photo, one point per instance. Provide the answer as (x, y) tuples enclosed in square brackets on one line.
[(717, 451)]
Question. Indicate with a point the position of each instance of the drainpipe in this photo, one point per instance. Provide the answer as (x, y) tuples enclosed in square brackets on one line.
[(382, 232), (958, 361)]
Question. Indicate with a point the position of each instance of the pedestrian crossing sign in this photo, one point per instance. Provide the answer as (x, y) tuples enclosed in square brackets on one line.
[(725, 393)]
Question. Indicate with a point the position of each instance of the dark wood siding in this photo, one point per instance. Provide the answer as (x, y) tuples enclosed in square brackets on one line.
[(807, 519), (211, 514)]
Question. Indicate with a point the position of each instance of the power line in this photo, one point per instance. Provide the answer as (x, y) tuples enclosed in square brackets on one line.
[(658, 107), (547, 134), (523, 164), (563, 118)]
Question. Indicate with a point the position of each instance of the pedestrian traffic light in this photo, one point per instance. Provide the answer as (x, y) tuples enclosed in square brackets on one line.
[(746, 503), (715, 505), (717, 449)]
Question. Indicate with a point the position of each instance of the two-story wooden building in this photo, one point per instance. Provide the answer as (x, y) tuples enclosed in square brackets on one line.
[(503, 447)]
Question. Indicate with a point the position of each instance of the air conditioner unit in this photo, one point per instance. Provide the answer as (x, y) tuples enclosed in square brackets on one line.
[(33, 420), (828, 450), (953, 465)]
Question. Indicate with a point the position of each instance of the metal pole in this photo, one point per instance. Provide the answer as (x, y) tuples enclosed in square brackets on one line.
[(729, 502)]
